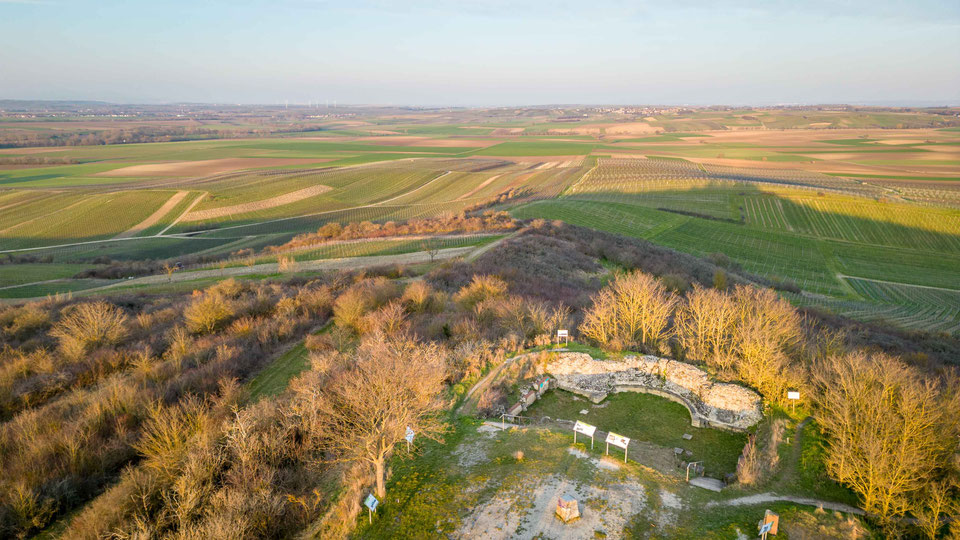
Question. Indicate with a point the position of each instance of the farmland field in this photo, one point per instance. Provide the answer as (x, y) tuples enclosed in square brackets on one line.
[(858, 211)]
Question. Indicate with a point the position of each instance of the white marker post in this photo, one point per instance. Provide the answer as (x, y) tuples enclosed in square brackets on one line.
[(564, 335), (371, 503), (586, 429), (618, 440), (409, 437)]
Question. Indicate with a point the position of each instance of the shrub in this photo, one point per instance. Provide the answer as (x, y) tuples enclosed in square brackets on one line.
[(23, 322), (350, 308), (417, 296), (480, 289), (89, 325), (207, 313)]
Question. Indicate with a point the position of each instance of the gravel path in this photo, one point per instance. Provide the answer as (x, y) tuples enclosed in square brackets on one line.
[(762, 498)]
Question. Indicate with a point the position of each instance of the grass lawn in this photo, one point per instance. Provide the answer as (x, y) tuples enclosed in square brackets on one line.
[(274, 378), (648, 418)]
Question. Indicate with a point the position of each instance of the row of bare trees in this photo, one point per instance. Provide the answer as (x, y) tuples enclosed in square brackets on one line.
[(749, 333), (891, 429)]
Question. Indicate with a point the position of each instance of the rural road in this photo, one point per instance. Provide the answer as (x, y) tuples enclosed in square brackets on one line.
[(273, 268)]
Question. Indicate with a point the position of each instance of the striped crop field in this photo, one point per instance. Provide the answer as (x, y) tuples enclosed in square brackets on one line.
[(78, 217), (858, 220)]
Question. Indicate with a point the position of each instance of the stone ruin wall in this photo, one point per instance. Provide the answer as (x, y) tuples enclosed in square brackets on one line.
[(714, 404)]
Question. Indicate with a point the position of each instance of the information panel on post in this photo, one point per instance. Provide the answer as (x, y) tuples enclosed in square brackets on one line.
[(618, 440), (586, 429)]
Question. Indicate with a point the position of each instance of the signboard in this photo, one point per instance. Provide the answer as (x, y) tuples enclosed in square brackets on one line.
[(586, 429), (409, 435), (371, 503), (793, 395), (617, 440), (769, 524), (564, 335)]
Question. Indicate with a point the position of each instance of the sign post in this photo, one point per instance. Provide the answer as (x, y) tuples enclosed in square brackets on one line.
[(688, 468), (409, 437), (586, 429), (564, 335), (769, 524), (618, 440), (371, 503), (793, 396)]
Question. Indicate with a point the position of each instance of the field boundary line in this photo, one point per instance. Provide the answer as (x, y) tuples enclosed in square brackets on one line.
[(578, 182), (408, 192), (844, 277), (185, 212), (313, 214), (484, 184), (164, 209)]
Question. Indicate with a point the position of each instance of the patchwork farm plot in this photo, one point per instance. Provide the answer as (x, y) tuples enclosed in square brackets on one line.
[(860, 212)]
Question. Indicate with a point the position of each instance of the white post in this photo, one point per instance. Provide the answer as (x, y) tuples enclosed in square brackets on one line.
[(503, 422), (625, 453), (370, 513), (591, 442), (608, 448), (574, 437)]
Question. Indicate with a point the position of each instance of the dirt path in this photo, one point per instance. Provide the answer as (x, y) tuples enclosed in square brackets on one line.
[(768, 497), (478, 252), (273, 268), (468, 406), (173, 201)]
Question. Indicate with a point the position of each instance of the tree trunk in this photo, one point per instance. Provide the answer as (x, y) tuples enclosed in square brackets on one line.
[(381, 488)]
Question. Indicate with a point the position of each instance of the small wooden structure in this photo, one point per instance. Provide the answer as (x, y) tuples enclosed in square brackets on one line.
[(568, 509)]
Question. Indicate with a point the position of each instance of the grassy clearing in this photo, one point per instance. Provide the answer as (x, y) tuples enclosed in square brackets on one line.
[(18, 274), (648, 418)]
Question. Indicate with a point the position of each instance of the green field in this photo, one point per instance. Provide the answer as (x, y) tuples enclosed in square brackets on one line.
[(870, 243)]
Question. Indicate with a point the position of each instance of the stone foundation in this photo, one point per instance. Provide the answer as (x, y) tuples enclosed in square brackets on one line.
[(713, 404)]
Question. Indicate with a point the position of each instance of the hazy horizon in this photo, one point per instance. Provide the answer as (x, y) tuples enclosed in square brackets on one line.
[(481, 54)]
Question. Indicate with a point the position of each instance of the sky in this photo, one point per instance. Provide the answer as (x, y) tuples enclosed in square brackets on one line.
[(483, 52)]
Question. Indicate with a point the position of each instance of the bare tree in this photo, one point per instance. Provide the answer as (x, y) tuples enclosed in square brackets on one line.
[(890, 431), (431, 246), (704, 326), (634, 310), (362, 411), (169, 269)]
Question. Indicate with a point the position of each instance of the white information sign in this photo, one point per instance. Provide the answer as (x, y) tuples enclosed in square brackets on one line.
[(766, 527), (409, 435), (563, 334), (618, 440), (793, 395), (586, 429), (371, 503)]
